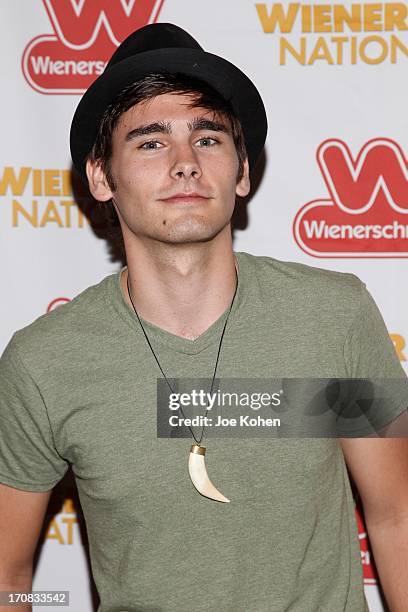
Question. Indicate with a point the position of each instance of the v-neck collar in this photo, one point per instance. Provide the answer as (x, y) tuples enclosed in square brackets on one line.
[(177, 343)]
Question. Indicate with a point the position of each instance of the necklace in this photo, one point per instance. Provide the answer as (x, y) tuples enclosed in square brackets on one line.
[(196, 463)]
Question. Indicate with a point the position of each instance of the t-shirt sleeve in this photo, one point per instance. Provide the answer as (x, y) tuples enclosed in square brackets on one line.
[(29, 459), (370, 355)]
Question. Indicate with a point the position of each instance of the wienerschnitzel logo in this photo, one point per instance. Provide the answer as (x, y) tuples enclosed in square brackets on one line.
[(367, 212), (85, 35), (369, 570)]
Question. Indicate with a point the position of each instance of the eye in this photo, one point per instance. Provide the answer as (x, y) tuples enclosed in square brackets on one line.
[(150, 145), (207, 142)]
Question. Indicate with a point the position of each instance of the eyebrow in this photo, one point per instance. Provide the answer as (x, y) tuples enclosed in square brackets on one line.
[(207, 124), (164, 127), (159, 127)]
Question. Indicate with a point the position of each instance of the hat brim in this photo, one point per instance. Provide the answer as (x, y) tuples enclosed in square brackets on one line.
[(230, 82)]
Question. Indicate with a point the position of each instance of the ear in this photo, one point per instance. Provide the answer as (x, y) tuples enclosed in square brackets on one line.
[(98, 185), (244, 185)]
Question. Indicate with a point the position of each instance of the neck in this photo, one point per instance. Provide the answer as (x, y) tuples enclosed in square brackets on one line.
[(182, 289)]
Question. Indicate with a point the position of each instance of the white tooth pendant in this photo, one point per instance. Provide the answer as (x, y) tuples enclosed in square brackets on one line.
[(198, 474)]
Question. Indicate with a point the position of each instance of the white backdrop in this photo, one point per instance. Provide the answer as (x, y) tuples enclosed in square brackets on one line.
[(334, 191)]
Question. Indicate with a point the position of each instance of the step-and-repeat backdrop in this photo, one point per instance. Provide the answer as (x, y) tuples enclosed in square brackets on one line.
[(331, 191)]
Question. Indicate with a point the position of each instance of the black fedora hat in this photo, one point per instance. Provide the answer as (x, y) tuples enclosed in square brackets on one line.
[(164, 47)]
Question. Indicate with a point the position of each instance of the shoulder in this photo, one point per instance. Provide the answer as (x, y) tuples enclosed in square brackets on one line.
[(59, 330), (289, 280)]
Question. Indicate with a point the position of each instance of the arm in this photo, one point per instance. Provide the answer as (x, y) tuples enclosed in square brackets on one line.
[(379, 468), (21, 518)]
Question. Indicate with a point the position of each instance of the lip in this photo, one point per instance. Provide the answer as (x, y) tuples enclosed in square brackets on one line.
[(185, 197)]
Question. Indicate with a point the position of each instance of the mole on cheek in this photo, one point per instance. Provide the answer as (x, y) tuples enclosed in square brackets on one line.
[(164, 221)]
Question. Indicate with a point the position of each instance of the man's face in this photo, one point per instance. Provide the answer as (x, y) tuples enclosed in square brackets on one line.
[(175, 171)]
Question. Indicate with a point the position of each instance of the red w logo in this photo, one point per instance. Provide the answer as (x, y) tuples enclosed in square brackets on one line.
[(78, 22), (367, 213), (85, 34), (354, 185)]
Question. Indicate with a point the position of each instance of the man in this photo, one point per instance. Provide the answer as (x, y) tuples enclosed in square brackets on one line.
[(169, 134)]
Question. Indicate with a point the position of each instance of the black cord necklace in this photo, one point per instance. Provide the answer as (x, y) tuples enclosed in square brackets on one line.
[(197, 468)]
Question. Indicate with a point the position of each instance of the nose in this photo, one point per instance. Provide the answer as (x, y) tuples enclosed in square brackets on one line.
[(185, 164)]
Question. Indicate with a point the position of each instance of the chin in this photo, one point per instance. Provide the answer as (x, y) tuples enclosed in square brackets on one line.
[(187, 238), (191, 230)]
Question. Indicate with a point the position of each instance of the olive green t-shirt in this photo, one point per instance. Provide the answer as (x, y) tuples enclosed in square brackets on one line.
[(78, 386)]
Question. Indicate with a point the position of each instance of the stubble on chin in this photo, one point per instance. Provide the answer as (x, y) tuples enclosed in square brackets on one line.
[(189, 230)]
